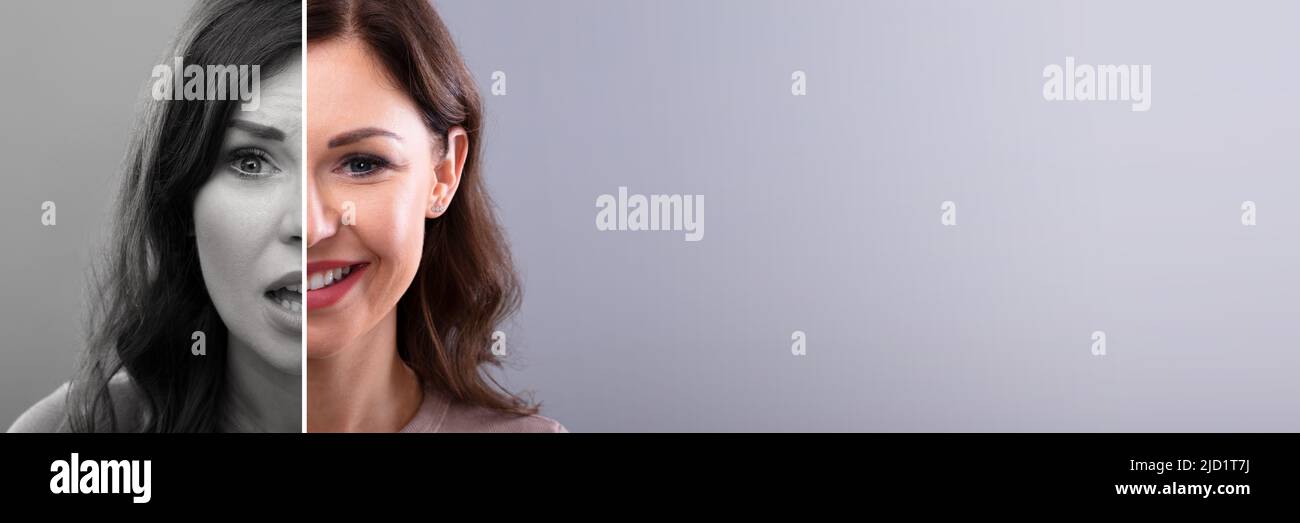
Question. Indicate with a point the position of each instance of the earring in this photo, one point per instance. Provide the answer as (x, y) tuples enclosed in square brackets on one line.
[(436, 208)]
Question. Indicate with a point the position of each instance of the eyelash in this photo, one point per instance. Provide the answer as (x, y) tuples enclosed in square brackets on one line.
[(377, 165), (239, 155)]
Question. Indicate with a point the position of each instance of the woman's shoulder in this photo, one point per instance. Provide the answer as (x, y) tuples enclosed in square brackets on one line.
[(47, 415), (50, 414), (467, 418)]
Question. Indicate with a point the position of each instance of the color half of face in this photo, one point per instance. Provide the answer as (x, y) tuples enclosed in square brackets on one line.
[(248, 226), (370, 162)]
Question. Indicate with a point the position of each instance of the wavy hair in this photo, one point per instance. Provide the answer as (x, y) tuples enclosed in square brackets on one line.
[(150, 295), (466, 283)]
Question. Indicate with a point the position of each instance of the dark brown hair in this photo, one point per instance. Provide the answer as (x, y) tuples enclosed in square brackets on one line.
[(447, 316), (150, 295)]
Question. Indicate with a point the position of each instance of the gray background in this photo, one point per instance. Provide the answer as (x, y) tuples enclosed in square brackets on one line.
[(73, 74), (822, 212)]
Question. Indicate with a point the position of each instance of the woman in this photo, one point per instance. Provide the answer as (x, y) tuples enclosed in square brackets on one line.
[(408, 272), (197, 325)]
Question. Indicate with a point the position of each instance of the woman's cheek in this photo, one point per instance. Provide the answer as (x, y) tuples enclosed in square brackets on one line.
[(225, 233), (397, 233)]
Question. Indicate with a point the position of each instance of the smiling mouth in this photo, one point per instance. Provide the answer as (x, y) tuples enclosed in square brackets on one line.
[(289, 297), (322, 279)]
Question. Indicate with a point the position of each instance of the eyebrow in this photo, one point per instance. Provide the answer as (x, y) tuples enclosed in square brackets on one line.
[(361, 134), (258, 130)]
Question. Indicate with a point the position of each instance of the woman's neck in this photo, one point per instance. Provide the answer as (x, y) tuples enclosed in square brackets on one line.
[(364, 386), (258, 396)]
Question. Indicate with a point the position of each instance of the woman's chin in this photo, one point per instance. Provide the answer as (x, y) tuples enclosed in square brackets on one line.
[(283, 355), (321, 345)]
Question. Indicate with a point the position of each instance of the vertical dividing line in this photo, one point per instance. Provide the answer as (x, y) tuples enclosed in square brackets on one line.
[(303, 209)]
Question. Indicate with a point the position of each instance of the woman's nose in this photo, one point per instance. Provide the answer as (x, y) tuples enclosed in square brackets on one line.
[(322, 219)]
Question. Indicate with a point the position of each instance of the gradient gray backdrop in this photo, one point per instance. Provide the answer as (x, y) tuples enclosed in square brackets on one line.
[(73, 74), (822, 211)]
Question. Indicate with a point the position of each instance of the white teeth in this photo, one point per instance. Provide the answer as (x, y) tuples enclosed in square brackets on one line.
[(326, 278), (287, 296)]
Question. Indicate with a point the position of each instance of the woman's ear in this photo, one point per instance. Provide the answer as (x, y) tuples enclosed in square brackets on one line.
[(447, 172)]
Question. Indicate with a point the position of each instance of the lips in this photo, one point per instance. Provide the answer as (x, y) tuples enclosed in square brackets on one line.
[(286, 291), (284, 303), (328, 281)]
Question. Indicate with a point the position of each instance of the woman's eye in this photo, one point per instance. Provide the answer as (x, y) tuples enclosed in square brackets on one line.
[(252, 164), (361, 166)]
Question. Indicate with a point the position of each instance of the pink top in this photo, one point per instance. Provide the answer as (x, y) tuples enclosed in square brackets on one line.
[(436, 414)]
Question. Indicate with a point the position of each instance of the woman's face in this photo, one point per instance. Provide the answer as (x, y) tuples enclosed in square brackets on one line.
[(248, 226), (373, 174)]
